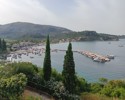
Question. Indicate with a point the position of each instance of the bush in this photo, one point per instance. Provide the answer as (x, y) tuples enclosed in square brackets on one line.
[(11, 88), (27, 68), (96, 87), (114, 88), (81, 85), (57, 76), (57, 89), (119, 92)]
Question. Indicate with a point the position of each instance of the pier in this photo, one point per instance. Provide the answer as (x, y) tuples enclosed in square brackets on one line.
[(94, 56)]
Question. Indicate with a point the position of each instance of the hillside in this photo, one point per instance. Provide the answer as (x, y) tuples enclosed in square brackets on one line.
[(24, 30), (20, 29)]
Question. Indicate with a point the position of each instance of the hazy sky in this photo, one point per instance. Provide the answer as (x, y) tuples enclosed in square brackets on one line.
[(105, 16)]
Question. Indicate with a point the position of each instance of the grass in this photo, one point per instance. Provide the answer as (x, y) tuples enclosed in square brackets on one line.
[(32, 95), (28, 95), (90, 96)]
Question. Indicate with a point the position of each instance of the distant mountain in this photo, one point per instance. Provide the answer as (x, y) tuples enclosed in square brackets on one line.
[(21, 29), (24, 30)]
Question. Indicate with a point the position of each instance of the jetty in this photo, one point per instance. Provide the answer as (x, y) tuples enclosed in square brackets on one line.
[(95, 57)]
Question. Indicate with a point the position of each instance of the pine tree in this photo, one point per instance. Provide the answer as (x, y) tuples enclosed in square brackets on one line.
[(47, 62), (68, 72)]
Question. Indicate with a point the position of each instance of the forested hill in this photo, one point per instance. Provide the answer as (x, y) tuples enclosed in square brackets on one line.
[(19, 29), (24, 30)]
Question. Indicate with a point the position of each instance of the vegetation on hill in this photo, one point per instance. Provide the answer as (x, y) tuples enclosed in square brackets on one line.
[(11, 86), (84, 36), (17, 30), (29, 31)]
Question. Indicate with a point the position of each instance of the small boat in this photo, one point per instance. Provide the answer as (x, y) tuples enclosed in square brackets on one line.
[(109, 42), (27, 54), (31, 57), (121, 46), (14, 56), (39, 54), (110, 56), (97, 59), (9, 55), (19, 56)]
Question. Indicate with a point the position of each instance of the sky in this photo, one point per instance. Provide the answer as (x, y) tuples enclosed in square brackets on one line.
[(103, 16)]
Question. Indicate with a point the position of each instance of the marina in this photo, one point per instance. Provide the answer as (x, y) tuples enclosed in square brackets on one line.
[(38, 51)]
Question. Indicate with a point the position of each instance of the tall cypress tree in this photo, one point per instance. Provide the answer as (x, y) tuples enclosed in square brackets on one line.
[(47, 62), (68, 72), (0, 45), (4, 45)]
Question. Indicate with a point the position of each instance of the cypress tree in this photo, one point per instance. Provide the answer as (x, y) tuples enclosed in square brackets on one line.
[(0, 45), (47, 62), (68, 72), (3, 45)]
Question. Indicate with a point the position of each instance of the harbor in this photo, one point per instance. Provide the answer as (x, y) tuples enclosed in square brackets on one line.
[(37, 50)]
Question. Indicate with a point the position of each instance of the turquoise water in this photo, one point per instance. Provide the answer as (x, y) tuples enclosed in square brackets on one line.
[(85, 67)]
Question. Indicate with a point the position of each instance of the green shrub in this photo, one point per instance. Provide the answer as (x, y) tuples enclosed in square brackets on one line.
[(56, 75), (81, 85), (96, 87), (11, 88), (114, 88)]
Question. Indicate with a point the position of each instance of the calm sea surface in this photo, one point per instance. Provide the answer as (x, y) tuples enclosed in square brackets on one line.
[(85, 67)]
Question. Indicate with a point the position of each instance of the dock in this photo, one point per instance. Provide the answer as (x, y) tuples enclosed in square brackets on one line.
[(94, 56)]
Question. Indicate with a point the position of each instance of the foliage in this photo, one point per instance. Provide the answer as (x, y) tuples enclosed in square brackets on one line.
[(13, 87), (103, 80), (68, 73), (32, 72), (57, 89), (47, 62), (81, 85), (6, 71), (114, 88), (56, 75), (96, 87), (24, 67), (119, 92)]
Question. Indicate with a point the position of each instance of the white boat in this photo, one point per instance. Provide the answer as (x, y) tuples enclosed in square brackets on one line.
[(97, 59)]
